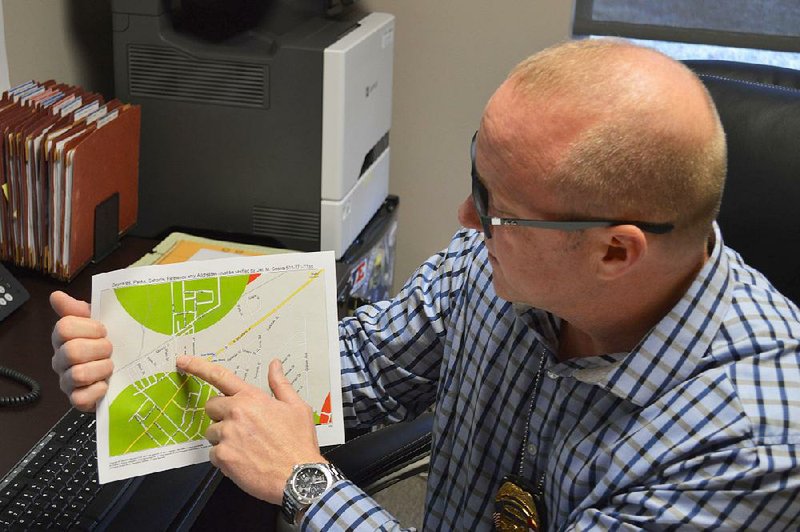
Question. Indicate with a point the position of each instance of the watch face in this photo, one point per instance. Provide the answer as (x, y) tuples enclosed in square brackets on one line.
[(310, 482)]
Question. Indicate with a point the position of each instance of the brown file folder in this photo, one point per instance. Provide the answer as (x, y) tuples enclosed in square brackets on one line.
[(104, 162)]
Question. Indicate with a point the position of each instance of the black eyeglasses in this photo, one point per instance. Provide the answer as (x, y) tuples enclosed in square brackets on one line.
[(481, 198)]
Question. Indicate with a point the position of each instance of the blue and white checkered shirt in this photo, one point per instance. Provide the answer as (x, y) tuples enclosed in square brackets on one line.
[(697, 428)]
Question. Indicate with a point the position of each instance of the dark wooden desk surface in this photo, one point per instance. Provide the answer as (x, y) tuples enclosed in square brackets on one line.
[(25, 346)]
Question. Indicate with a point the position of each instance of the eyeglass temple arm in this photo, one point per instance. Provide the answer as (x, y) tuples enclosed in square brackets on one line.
[(656, 228)]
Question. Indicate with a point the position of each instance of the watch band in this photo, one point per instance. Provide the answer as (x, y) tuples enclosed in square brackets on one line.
[(291, 505)]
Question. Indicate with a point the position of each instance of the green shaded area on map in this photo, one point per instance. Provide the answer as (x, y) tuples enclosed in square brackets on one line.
[(163, 409), (183, 307)]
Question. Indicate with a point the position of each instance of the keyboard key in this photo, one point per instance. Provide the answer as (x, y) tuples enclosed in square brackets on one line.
[(13, 489), (33, 467), (11, 514), (84, 524), (36, 486), (38, 505), (49, 451), (62, 523), (28, 496), (48, 516), (31, 514), (49, 494)]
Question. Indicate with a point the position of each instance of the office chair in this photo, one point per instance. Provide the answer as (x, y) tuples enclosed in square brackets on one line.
[(378, 459), (760, 111)]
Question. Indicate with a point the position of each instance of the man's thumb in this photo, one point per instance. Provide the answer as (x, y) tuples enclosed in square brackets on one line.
[(280, 385), (64, 305)]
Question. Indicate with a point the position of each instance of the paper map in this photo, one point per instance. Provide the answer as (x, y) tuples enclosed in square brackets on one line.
[(239, 312)]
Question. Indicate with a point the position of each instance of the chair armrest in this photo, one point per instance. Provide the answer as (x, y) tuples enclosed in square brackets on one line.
[(378, 459)]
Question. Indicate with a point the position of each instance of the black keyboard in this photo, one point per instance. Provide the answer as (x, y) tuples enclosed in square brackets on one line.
[(55, 485)]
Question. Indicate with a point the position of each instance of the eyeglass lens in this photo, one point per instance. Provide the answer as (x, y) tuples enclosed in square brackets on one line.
[(480, 196)]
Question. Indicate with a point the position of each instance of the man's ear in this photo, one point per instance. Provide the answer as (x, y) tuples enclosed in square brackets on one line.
[(622, 247)]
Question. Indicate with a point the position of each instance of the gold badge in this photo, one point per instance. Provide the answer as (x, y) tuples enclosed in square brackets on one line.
[(516, 509)]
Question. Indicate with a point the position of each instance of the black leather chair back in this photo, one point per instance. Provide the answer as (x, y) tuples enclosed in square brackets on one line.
[(760, 217)]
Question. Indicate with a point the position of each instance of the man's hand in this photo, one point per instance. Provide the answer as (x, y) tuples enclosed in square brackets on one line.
[(81, 352), (256, 439)]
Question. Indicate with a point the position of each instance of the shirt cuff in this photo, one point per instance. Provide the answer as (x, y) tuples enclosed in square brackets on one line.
[(347, 507)]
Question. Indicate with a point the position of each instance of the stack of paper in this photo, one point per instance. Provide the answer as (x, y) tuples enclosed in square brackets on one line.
[(64, 152)]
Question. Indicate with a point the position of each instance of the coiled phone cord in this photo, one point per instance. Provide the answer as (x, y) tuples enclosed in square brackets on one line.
[(19, 400)]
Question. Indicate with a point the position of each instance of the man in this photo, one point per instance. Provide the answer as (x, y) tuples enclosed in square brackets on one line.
[(597, 358)]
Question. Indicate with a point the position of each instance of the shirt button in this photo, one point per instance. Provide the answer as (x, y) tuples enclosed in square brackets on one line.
[(532, 450), (552, 374)]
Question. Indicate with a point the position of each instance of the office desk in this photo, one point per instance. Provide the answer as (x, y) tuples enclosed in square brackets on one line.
[(25, 346)]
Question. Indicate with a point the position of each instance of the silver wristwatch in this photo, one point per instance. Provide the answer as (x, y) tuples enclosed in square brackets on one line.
[(306, 484)]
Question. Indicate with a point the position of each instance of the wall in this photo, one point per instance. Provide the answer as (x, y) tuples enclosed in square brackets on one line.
[(450, 55), (65, 40), (4, 82)]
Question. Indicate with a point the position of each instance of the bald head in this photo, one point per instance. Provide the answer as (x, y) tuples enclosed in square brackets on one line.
[(629, 133)]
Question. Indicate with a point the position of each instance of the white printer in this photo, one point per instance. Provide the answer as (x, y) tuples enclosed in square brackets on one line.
[(356, 117), (280, 130)]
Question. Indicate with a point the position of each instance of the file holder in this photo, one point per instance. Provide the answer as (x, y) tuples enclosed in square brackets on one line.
[(106, 227)]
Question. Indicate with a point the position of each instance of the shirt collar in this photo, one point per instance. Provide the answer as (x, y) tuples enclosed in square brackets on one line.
[(672, 351)]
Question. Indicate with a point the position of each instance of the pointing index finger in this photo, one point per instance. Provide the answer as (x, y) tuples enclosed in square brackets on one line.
[(218, 376)]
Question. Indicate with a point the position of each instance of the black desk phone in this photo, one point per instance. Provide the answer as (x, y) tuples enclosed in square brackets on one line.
[(12, 293), (12, 296)]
